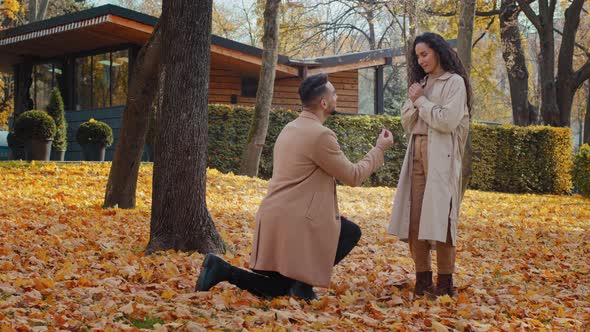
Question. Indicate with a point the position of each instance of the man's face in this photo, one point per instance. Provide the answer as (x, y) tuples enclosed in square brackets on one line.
[(329, 99)]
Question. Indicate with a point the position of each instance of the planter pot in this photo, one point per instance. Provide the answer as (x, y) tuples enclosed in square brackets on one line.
[(94, 152), (38, 150), (57, 155), (17, 153)]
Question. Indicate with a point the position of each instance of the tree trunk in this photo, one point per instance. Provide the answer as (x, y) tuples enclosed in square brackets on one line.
[(270, 40), (410, 33), (543, 22), (549, 109), (122, 184), (180, 218), (587, 118), (465, 34), (566, 85), (464, 46), (371, 21), (556, 95), (514, 58), (24, 79)]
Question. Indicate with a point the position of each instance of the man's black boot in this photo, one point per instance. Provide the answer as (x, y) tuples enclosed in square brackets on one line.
[(213, 271), (303, 291)]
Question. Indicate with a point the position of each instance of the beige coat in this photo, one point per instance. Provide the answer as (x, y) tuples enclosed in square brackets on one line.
[(445, 112), (298, 224)]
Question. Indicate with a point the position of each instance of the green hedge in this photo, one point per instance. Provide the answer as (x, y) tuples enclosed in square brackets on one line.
[(505, 159), (581, 171), (521, 159), (228, 130)]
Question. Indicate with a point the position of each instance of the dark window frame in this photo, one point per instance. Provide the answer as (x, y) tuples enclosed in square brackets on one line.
[(248, 87), (54, 82), (92, 54)]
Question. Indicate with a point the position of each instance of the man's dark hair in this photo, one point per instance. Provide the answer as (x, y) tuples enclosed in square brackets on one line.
[(312, 87)]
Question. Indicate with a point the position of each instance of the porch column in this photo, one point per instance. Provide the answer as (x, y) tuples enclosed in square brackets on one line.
[(23, 75), (379, 100), (69, 83)]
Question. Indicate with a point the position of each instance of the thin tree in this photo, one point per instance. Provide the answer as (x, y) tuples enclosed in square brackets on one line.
[(259, 127), (464, 48), (180, 218), (37, 10), (465, 34), (587, 116), (122, 184)]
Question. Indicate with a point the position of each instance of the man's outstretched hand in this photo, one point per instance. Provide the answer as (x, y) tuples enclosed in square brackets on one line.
[(385, 139)]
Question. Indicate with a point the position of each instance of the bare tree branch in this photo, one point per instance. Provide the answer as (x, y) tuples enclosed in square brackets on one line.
[(552, 5), (479, 13), (578, 45), (582, 74), (528, 11), (485, 32)]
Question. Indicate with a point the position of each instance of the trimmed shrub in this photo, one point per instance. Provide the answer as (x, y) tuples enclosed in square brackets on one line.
[(94, 132), (505, 158), (13, 140), (56, 110), (581, 171), (521, 159), (34, 125)]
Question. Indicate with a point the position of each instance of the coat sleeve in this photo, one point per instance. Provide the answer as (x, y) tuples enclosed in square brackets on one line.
[(445, 118), (329, 157), (409, 116)]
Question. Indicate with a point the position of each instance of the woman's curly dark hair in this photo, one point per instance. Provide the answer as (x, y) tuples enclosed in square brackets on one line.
[(447, 57)]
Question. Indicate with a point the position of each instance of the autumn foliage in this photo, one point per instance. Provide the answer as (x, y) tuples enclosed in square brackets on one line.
[(66, 264)]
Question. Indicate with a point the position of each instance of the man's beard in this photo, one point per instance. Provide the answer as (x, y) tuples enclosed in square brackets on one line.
[(334, 112)]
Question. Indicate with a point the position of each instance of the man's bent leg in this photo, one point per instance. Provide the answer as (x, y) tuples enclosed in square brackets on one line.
[(215, 270), (350, 234)]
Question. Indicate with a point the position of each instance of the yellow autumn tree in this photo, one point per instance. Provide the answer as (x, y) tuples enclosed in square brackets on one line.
[(491, 100), (10, 11)]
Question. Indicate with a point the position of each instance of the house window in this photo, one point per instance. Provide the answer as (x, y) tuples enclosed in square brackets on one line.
[(46, 76), (101, 80), (119, 76), (249, 87)]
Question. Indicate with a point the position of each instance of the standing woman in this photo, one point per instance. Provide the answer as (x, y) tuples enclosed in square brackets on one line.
[(436, 118)]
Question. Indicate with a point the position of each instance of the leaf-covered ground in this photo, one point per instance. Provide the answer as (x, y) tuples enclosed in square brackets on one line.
[(66, 264)]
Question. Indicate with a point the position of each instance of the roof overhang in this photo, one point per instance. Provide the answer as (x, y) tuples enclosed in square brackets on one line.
[(100, 32), (92, 29), (110, 26)]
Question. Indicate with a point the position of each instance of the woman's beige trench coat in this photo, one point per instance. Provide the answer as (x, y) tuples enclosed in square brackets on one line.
[(446, 113)]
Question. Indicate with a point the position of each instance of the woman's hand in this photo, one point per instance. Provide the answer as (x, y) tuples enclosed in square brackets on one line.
[(415, 92)]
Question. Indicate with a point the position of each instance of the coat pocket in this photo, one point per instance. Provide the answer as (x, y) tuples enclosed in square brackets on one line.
[(314, 206)]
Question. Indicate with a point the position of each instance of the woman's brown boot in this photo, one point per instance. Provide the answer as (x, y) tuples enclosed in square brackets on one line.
[(444, 285), (423, 283)]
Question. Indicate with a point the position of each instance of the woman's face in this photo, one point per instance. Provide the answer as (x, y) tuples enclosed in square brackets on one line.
[(427, 58)]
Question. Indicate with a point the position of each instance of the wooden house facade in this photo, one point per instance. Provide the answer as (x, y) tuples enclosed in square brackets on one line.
[(87, 55)]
